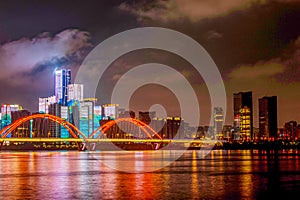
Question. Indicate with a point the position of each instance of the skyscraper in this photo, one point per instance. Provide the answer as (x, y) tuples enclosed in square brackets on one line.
[(110, 110), (75, 92), (290, 130), (268, 116), (243, 115), (54, 128), (62, 80), (45, 102), (218, 121), (6, 110)]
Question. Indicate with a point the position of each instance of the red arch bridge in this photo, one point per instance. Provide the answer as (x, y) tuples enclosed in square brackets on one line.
[(96, 137)]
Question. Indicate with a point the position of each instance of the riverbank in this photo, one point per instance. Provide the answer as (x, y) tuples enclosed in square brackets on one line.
[(234, 145)]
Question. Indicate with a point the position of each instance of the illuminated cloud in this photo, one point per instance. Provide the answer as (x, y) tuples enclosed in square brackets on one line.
[(260, 70), (27, 64), (24, 58), (194, 10)]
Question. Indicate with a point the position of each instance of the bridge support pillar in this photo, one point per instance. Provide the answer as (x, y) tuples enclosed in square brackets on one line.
[(90, 146), (81, 146), (1, 144)]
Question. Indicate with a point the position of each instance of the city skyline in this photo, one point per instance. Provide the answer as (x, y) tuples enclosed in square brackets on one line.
[(60, 95), (70, 92)]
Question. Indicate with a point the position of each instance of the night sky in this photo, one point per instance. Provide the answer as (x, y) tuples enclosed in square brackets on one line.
[(255, 44)]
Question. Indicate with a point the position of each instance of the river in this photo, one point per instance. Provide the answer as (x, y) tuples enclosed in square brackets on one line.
[(220, 174)]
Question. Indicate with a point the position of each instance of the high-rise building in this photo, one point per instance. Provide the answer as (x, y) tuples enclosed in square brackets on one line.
[(175, 128), (54, 128), (227, 132), (75, 92), (82, 116), (62, 80), (97, 116), (6, 110), (218, 121), (45, 102), (158, 124), (40, 127), (24, 129), (110, 111), (64, 114), (126, 113), (243, 115), (146, 117), (290, 130), (268, 116)]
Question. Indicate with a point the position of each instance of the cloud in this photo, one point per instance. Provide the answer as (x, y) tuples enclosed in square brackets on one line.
[(26, 57), (212, 35), (194, 10), (259, 70), (27, 64)]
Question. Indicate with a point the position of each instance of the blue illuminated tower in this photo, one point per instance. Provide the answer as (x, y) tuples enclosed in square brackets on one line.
[(62, 80)]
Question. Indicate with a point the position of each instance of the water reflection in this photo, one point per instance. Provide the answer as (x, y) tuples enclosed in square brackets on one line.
[(221, 174)]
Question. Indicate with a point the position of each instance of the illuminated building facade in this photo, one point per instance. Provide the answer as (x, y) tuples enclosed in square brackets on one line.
[(268, 117), (122, 113), (40, 127), (218, 116), (97, 116), (24, 129), (6, 110), (86, 118), (62, 80), (64, 114), (245, 122), (110, 111), (290, 130), (54, 128), (243, 115), (174, 127), (75, 92), (158, 124), (45, 102)]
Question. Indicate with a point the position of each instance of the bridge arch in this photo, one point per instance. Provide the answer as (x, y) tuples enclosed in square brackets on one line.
[(102, 129), (70, 127)]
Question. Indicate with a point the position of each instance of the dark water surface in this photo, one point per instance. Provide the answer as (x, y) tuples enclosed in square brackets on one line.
[(231, 174)]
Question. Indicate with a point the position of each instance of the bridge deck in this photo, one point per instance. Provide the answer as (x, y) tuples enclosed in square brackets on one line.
[(103, 140)]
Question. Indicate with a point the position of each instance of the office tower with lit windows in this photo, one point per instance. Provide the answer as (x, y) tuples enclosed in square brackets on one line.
[(75, 92), (110, 111), (86, 117), (54, 128), (25, 128), (6, 110), (44, 104), (218, 116), (268, 116), (174, 128), (290, 130), (243, 115), (62, 80)]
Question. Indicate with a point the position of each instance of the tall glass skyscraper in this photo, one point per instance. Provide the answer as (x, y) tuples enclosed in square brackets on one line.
[(62, 80), (243, 115), (268, 116)]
